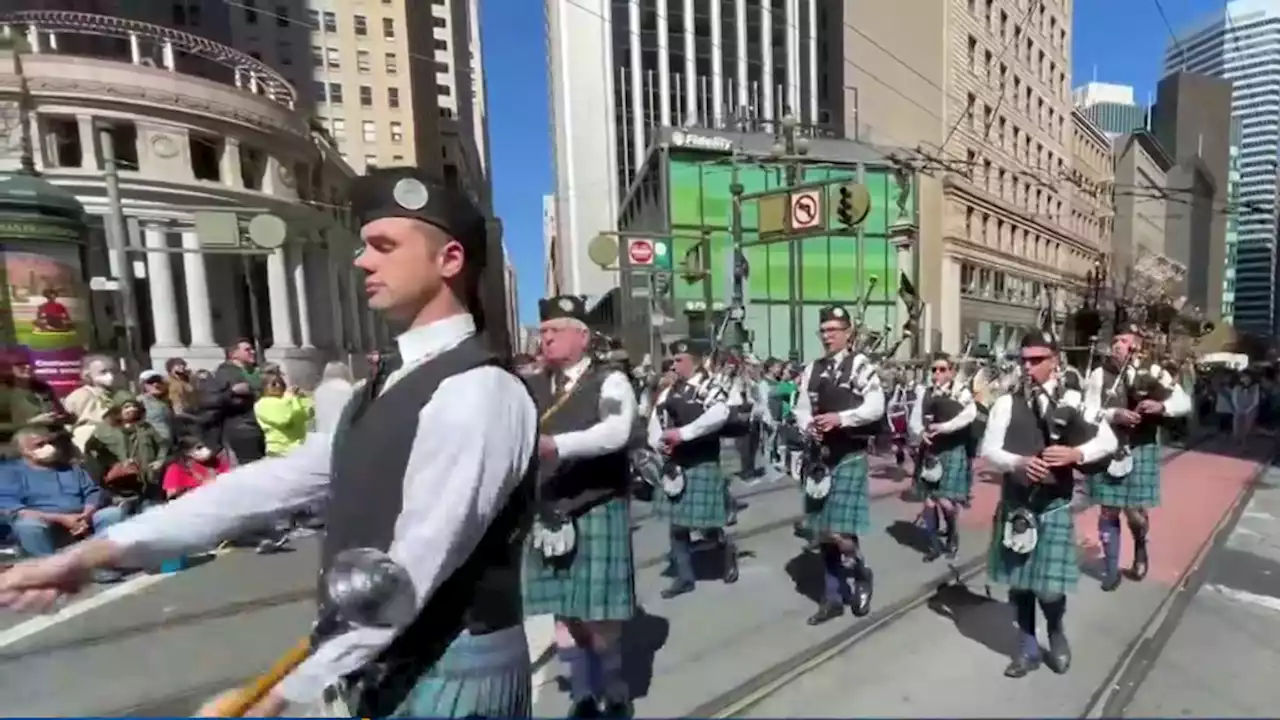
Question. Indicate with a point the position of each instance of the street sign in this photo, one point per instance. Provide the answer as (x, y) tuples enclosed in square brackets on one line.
[(806, 210), (640, 251)]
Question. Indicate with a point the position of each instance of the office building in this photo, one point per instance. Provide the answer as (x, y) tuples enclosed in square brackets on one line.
[(1192, 122), (1144, 218), (1238, 44), (1232, 235), (1110, 107), (621, 69)]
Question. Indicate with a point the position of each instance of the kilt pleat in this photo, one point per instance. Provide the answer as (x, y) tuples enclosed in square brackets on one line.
[(703, 505), (1052, 567), (846, 510), (1140, 489), (597, 582), (957, 477), (478, 676)]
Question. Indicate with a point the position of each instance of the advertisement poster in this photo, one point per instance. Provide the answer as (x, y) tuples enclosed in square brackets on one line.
[(45, 308)]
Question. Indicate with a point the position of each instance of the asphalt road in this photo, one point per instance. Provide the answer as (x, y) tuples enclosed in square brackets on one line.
[(158, 646)]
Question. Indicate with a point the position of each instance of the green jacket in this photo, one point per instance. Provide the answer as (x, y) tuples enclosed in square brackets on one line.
[(112, 444)]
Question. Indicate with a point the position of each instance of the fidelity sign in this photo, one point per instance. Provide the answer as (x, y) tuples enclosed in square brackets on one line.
[(683, 139)]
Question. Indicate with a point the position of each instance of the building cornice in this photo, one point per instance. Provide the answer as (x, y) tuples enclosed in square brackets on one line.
[(982, 200)]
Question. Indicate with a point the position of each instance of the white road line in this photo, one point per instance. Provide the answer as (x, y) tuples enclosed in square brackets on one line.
[(35, 625), (1243, 596)]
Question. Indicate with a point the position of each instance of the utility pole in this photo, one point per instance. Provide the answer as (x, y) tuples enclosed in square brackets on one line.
[(738, 306), (118, 240), (788, 146)]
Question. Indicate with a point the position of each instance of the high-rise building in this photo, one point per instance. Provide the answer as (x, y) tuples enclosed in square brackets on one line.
[(1238, 43), (553, 279), (621, 69), (1232, 239), (1110, 107)]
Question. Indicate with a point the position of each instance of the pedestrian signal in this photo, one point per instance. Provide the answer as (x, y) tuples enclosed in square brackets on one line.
[(844, 207)]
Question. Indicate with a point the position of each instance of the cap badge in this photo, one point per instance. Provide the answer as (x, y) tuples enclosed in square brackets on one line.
[(410, 194), (566, 304), (837, 312)]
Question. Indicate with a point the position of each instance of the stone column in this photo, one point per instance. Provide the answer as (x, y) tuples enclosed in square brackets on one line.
[(88, 152), (298, 266), (197, 279), (352, 301), (903, 235), (278, 296), (335, 298), (164, 302)]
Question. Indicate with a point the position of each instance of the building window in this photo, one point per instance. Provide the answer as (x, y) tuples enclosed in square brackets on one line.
[(397, 131), (339, 129), (391, 63), (330, 22), (317, 56), (313, 19), (397, 158), (371, 161), (972, 52), (366, 96), (282, 16), (251, 12), (369, 131), (255, 55), (334, 57), (362, 61), (319, 90), (443, 90), (442, 66), (388, 29), (362, 26), (285, 49), (440, 44), (437, 21), (393, 97), (446, 112), (335, 93), (65, 150)]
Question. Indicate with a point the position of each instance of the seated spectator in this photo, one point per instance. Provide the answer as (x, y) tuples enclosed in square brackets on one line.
[(194, 464), (25, 400), (283, 415), (49, 502), (154, 396), (124, 454)]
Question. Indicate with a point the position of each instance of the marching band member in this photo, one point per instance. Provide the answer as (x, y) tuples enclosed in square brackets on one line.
[(429, 464), (686, 429), (940, 422), (1033, 548), (1133, 399), (839, 406), (580, 566)]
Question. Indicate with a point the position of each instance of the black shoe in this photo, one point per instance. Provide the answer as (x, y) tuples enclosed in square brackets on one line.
[(953, 544), (679, 587), (1140, 561), (1022, 666), (1059, 657), (730, 564), (1110, 582), (900, 457), (587, 707), (934, 552), (863, 588), (732, 519), (826, 611), (799, 529), (618, 709)]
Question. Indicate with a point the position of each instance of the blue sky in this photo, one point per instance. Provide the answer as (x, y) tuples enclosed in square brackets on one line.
[(1123, 39)]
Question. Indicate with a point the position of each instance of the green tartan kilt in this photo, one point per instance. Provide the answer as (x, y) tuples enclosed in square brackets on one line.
[(957, 477), (597, 581), (846, 510), (703, 505), (1141, 489), (1052, 567)]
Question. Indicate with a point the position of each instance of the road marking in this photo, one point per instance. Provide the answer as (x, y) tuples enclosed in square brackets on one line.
[(134, 585), (1244, 596)]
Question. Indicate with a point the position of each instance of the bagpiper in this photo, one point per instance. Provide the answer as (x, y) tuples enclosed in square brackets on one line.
[(940, 423), (838, 408), (579, 565), (1134, 398), (686, 429), (1036, 439)]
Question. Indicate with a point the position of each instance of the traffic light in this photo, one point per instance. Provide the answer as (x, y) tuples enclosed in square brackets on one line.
[(844, 208)]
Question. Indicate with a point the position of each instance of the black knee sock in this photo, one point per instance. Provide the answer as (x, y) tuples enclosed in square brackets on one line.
[(1055, 609), (1024, 608), (612, 684)]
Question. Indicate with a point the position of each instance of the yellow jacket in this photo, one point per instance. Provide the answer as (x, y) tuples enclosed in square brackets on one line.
[(284, 421)]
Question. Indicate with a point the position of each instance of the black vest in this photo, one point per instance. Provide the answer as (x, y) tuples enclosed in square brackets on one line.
[(602, 477), (683, 405), (1126, 396), (939, 408), (370, 455), (830, 392), (1028, 435)]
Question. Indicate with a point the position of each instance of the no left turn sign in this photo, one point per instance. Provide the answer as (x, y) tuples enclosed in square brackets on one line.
[(806, 210)]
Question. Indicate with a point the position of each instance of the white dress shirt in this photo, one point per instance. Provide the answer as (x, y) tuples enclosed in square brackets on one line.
[(968, 413), (1100, 446), (871, 409), (618, 409), (474, 443), (711, 420), (1095, 395)]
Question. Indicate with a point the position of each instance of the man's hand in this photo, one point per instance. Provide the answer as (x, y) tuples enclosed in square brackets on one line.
[(671, 438), (933, 429), (45, 418), (36, 585), (547, 449), (826, 422), (1150, 407), (242, 388), (1037, 469), (270, 706), (1061, 456), (1127, 418)]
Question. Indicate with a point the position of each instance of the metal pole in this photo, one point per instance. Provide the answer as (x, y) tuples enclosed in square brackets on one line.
[(793, 252), (709, 316), (118, 240), (739, 302)]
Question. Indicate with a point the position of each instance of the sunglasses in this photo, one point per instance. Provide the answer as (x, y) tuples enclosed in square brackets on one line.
[(1035, 359), (939, 368)]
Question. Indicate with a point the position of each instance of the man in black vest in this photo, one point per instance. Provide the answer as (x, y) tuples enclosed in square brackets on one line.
[(940, 419), (1037, 441), (839, 407), (1134, 398), (431, 464), (579, 566), (685, 427)]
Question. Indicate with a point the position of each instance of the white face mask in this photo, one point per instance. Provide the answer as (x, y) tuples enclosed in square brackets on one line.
[(201, 454), (45, 453), (104, 379)]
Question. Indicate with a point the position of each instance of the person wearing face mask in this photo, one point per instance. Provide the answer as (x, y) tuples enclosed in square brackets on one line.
[(49, 502), (1244, 403), (178, 385), (90, 403), (194, 465), (125, 455)]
